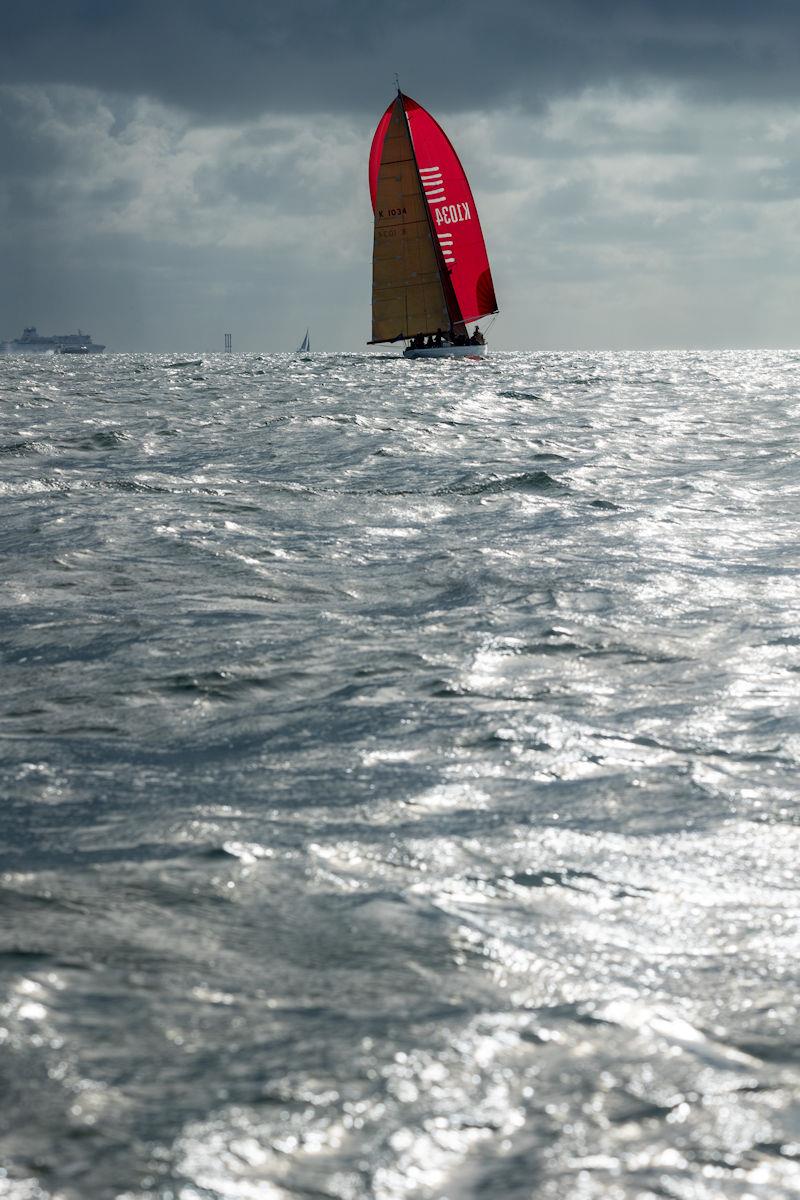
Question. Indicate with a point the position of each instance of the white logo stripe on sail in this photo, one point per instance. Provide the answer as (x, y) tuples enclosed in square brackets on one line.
[(433, 184), (446, 242)]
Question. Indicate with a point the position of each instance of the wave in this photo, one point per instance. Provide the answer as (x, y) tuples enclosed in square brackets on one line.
[(19, 449), (537, 482)]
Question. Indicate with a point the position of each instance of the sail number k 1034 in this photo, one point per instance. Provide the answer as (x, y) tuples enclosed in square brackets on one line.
[(451, 214)]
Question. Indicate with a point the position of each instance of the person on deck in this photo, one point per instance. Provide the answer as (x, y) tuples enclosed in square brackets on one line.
[(437, 339), (477, 338)]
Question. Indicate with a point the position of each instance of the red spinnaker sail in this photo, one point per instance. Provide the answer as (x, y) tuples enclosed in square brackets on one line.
[(453, 214)]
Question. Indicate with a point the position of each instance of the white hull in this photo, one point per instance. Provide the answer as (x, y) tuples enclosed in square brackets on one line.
[(447, 352), (16, 348)]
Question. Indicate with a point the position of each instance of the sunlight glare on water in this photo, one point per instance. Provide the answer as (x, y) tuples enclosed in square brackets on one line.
[(401, 769)]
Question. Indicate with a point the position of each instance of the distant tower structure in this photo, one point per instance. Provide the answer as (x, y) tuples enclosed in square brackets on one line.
[(228, 343)]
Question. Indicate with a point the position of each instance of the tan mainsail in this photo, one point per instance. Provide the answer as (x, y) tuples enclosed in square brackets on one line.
[(407, 293)]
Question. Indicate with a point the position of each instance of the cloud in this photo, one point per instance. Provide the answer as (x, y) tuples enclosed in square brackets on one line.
[(653, 221), (245, 57), (149, 204)]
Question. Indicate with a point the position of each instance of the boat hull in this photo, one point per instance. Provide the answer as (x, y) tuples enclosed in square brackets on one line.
[(33, 342), (447, 352), (53, 348)]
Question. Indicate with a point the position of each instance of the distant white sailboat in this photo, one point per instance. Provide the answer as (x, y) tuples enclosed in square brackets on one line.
[(305, 345)]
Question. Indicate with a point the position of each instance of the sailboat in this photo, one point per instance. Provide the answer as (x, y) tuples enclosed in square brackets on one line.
[(430, 271), (305, 345)]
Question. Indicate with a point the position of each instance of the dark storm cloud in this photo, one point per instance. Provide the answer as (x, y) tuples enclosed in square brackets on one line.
[(235, 58)]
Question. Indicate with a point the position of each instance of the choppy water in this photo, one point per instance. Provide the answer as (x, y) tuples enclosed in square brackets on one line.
[(401, 773)]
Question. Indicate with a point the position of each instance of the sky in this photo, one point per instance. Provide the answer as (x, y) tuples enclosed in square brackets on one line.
[(172, 170)]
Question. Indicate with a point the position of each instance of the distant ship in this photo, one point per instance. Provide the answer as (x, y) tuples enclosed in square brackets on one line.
[(33, 342)]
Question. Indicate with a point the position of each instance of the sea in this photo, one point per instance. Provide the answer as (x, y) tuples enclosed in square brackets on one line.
[(399, 771)]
